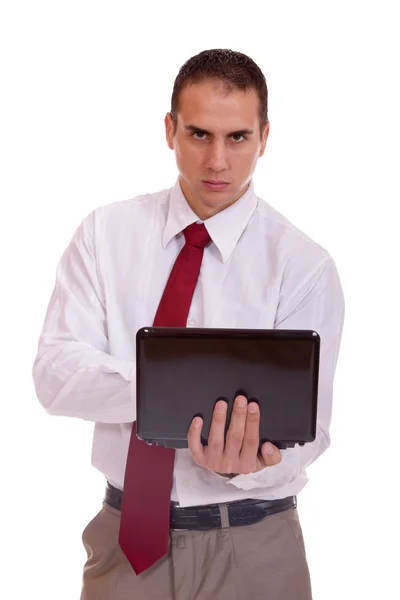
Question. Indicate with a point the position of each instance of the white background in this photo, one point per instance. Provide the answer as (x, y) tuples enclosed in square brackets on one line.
[(85, 88)]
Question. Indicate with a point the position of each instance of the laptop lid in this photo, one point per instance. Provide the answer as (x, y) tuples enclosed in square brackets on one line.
[(182, 372)]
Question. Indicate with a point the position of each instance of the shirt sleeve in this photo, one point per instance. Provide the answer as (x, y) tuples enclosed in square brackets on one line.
[(73, 373), (317, 303)]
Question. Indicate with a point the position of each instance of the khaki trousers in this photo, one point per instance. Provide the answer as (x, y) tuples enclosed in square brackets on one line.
[(264, 561)]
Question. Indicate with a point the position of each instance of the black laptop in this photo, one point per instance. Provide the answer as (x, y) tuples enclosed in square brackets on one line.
[(182, 372)]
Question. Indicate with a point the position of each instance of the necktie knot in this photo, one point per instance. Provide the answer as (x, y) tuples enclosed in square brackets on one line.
[(197, 235)]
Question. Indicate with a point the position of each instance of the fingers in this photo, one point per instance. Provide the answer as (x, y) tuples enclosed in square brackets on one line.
[(216, 437), (271, 454), (194, 441), (235, 434), (251, 439), (239, 453)]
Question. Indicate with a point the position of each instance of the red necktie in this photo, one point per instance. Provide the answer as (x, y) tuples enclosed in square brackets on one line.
[(144, 529)]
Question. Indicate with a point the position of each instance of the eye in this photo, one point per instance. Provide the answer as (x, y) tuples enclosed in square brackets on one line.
[(198, 133), (235, 135)]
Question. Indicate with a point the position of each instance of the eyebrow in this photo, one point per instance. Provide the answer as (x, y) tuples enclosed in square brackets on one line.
[(194, 128)]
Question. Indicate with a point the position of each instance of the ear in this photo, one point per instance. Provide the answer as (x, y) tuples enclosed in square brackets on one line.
[(169, 129), (264, 139)]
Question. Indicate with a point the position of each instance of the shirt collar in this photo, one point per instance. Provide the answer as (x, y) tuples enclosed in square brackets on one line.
[(224, 228)]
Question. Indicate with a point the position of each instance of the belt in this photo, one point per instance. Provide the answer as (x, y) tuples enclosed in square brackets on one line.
[(214, 516)]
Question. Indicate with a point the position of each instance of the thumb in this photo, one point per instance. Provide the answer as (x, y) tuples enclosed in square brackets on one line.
[(271, 454)]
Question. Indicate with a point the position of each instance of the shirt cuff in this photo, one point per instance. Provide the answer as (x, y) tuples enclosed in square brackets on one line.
[(280, 474)]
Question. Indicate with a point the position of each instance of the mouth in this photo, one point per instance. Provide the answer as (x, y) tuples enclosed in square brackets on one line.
[(216, 185)]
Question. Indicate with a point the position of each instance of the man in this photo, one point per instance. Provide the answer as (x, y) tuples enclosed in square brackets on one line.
[(254, 270)]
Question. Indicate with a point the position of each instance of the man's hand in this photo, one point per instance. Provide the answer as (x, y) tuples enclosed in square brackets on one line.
[(240, 452)]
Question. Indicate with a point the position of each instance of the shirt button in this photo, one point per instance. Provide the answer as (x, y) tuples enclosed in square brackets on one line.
[(190, 323), (186, 483)]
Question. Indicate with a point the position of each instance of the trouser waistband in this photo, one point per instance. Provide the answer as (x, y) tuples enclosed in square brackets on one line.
[(214, 516)]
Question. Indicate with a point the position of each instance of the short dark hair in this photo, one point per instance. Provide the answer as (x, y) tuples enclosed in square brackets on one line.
[(234, 69)]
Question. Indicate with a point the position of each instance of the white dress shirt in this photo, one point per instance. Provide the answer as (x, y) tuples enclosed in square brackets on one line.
[(259, 271)]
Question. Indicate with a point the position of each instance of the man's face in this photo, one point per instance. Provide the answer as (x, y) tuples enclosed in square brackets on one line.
[(207, 147)]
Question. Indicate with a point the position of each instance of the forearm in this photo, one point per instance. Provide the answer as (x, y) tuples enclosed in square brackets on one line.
[(76, 381), (319, 306), (74, 373)]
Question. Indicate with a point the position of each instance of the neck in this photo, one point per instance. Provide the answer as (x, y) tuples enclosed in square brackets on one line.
[(202, 210)]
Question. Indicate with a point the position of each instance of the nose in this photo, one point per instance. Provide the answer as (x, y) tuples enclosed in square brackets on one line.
[(217, 159)]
